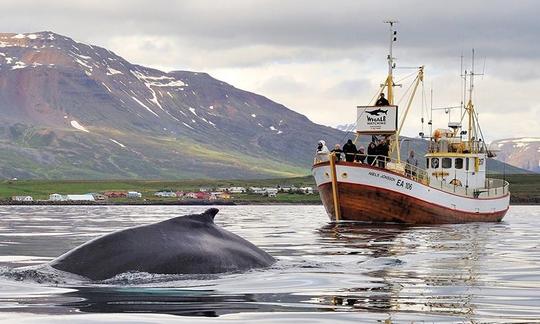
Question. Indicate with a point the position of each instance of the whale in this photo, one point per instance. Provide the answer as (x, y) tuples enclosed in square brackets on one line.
[(191, 244)]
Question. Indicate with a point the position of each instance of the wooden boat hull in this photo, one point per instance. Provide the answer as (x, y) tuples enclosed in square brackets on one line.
[(374, 200)]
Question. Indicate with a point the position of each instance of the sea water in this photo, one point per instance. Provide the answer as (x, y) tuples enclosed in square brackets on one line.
[(326, 273)]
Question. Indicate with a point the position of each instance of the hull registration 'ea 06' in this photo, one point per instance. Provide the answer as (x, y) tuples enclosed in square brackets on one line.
[(190, 244), (381, 186)]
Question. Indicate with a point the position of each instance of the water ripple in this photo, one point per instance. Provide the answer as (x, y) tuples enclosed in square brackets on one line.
[(325, 272)]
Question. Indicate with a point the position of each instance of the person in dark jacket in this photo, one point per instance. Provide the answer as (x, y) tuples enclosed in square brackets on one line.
[(371, 151), (337, 150), (383, 151), (382, 101), (349, 149)]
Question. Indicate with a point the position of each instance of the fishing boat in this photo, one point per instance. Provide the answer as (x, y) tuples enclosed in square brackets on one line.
[(451, 188)]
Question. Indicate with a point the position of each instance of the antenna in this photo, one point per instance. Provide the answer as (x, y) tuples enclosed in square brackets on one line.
[(431, 114), (462, 86), (390, 58)]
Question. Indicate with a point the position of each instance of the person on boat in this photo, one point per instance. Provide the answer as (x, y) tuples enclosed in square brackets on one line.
[(322, 152), (337, 151), (382, 101), (349, 149), (361, 156), (382, 149), (372, 152), (411, 166)]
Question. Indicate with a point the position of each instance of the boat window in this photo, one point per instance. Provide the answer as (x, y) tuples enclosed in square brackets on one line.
[(446, 163), (459, 163), (467, 164), (434, 163), (427, 162)]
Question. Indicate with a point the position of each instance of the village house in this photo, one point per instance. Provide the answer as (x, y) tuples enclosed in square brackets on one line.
[(116, 194), (165, 194), (57, 197), (180, 194), (197, 195), (287, 188), (233, 190), (86, 197), (307, 190), (257, 190), (134, 195), (98, 196), (219, 196), (22, 198)]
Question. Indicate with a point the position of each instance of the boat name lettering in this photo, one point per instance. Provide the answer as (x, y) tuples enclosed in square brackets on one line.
[(404, 184), (384, 176)]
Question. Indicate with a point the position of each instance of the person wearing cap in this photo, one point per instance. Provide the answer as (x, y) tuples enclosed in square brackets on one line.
[(382, 100)]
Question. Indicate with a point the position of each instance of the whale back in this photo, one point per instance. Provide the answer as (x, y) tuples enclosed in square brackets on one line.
[(191, 244)]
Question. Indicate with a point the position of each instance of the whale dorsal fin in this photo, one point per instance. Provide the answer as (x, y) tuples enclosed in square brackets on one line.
[(206, 217), (209, 214)]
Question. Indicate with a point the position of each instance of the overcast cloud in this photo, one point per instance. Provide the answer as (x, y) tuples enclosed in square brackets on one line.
[(319, 58)]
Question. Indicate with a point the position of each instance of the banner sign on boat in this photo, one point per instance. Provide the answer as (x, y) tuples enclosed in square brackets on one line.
[(376, 119)]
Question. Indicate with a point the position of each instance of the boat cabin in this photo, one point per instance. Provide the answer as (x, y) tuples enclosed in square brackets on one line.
[(455, 161)]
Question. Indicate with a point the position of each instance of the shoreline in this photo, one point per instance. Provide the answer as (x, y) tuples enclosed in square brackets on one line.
[(187, 203), (152, 203)]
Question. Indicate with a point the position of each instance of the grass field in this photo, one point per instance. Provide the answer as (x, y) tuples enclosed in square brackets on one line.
[(41, 189), (525, 188)]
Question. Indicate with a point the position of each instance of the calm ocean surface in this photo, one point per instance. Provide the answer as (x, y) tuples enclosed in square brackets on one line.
[(325, 274)]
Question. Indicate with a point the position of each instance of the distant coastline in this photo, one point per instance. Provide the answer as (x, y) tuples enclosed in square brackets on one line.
[(513, 202), (524, 189)]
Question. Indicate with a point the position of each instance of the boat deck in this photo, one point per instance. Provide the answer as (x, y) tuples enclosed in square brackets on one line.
[(493, 188)]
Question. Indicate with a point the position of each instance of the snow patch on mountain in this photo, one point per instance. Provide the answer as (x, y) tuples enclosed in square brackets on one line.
[(112, 71), (75, 124), (346, 127), (118, 143), (18, 65), (145, 106)]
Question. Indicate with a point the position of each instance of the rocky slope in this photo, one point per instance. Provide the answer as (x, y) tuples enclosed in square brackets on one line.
[(72, 110), (521, 152)]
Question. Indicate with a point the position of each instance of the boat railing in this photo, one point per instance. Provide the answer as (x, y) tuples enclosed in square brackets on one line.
[(492, 188), (495, 187)]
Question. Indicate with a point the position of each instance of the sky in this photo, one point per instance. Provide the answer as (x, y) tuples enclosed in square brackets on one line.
[(323, 58)]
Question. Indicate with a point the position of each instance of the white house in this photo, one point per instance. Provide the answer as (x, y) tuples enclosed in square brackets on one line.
[(233, 189), (257, 190), (307, 190), (57, 197), (134, 194), (86, 197), (22, 198), (271, 192), (165, 194)]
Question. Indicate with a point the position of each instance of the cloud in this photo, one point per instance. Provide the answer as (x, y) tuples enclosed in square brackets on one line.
[(334, 52)]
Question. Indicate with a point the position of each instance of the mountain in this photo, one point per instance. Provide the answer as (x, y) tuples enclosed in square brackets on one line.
[(71, 110), (521, 152), (346, 127)]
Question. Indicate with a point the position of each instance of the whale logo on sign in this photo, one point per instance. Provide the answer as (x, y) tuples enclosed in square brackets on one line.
[(377, 112)]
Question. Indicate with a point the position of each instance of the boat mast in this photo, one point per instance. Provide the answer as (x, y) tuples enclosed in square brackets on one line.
[(470, 108), (391, 65)]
